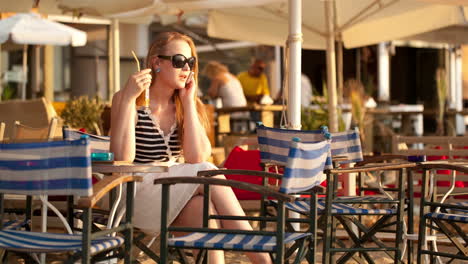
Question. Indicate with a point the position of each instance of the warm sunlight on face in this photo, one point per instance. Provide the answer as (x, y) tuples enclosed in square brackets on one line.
[(172, 76)]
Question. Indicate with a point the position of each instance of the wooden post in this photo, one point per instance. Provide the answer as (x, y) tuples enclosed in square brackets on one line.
[(331, 68), (49, 73)]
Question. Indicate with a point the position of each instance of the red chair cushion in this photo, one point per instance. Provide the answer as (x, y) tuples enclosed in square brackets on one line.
[(244, 160)]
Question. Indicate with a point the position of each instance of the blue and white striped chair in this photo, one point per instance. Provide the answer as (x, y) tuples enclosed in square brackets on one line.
[(303, 172), (101, 144), (441, 217), (347, 209), (60, 168)]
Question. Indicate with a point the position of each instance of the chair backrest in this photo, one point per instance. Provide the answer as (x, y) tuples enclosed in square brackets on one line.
[(52, 168), (305, 165), (274, 143), (347, 144), (99, 144), (451, 147), (23, 132), (34, 113), (436, 148)]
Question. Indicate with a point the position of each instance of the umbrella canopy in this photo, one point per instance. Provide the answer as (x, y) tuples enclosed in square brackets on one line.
[(30, 28), (360, 22)]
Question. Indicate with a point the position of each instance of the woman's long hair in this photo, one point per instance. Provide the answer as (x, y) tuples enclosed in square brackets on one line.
[(213, 69), (158, 47)]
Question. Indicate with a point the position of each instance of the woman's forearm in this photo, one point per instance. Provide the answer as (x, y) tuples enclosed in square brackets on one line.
[(197, 147), (123, 128)]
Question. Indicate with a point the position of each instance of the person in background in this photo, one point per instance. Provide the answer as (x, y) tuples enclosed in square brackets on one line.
[(224, 85), (254, 82), (229, 89), (173, 125)]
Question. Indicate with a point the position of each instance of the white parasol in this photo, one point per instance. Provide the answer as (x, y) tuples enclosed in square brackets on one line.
[(32, 29)]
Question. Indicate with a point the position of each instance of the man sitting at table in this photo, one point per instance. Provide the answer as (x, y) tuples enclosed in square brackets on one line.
[(254, 82)]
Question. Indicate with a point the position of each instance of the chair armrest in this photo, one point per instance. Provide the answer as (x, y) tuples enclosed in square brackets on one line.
[(381, 158), (104, 186), (443, 166), (235, 184), (373, 167), (209, 173)]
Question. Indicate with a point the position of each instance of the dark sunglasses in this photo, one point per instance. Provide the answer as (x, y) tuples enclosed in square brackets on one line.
[(179, 60)]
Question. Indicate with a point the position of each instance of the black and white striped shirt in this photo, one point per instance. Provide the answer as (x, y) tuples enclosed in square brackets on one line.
[(151, 143)]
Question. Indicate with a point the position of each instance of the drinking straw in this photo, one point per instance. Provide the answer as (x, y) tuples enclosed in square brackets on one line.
[(138, 67)]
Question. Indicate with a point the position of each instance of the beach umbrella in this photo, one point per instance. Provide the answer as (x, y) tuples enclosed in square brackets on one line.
[(32, 29)]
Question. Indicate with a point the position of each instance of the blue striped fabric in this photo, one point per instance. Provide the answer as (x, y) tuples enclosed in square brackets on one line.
[(99, 144), (53, 168), (347, 144), (305, 165), (456, 210), (232, 241), (274, 142), (53, 242), (15, 224), (451, 217), (303, 207)]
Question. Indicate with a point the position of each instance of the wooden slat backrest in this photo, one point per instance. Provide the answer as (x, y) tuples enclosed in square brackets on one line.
[(452, 148)]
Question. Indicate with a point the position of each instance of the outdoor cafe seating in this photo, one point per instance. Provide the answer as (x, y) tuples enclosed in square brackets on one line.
[(61, 168), (109, 216), (303, 157), (273, 151), (443, 214), (331, 215)]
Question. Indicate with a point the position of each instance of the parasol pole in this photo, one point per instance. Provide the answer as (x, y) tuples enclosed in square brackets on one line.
[(331, 68), (25, 72)]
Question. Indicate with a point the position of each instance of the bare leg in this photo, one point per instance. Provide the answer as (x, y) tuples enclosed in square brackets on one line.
[(188, 218), (226, 203)]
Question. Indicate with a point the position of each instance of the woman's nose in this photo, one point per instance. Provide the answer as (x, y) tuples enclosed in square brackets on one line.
[(186, 67)]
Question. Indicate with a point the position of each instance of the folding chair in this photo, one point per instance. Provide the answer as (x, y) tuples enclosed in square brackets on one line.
[(345, 149), (443, 215), (349, 211), (23, 133), (61, 168), (274, 146), (304, 171), (104, 217)]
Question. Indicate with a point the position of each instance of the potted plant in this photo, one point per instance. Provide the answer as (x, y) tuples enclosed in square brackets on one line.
[(85, 113)]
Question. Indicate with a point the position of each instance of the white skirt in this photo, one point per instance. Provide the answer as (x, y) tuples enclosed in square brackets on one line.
[(147, 213)]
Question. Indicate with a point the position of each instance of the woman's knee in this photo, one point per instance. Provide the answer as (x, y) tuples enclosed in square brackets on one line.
[(206, 166)]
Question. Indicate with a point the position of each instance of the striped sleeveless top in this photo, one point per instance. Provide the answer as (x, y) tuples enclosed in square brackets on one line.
[(151, 143)]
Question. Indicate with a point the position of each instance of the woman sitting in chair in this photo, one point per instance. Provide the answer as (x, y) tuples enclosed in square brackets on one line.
[(173, 124)]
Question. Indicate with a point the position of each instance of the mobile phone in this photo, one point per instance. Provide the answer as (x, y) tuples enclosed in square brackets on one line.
[(188, 78)]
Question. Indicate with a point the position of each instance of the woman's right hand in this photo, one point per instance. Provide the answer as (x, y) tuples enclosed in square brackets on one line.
[(138, 83)]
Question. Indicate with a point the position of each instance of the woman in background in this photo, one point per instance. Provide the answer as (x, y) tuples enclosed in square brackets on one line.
[(229, 89)]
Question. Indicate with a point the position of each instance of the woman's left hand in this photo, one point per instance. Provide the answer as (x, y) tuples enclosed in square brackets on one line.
[(188, 93)]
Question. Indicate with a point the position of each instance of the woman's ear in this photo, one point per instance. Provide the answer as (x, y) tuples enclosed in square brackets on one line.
[(154, 61)]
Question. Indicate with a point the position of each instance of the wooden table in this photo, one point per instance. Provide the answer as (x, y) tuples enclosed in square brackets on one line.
[(125, 167)]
